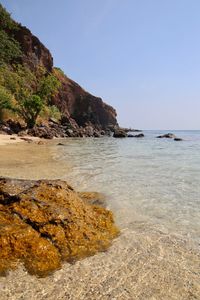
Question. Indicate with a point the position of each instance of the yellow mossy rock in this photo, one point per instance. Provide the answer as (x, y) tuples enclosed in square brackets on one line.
[(45, 222)]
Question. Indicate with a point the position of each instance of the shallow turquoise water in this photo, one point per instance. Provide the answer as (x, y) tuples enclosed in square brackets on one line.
[(150, 180)]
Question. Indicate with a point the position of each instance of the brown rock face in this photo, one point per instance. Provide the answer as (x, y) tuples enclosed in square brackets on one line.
[(44, 222), (80, 107), (34, 52)]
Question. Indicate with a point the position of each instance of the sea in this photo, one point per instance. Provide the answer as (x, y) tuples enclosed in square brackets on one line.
[(148, 179), (152, 187)]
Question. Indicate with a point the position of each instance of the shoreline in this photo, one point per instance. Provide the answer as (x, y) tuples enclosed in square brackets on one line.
[(6, 139)]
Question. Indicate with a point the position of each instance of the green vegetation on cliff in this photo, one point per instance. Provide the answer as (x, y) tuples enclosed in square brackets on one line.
[(33, 90), (9, 47), (22, 90)]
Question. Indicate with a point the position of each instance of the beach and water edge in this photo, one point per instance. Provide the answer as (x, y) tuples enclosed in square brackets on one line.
[(147, 261)]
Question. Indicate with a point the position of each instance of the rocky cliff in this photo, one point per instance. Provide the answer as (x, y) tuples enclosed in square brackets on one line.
[(34, 53), (78, 107)]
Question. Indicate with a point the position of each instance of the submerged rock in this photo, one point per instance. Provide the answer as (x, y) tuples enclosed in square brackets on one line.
[(45, 222)]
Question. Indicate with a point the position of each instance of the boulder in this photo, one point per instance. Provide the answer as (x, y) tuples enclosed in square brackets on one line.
[(43, 223), (119, 133), (41, 132)]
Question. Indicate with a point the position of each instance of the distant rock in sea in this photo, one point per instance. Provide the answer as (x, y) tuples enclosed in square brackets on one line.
[(140, 135), (170, 136), (167, 136)]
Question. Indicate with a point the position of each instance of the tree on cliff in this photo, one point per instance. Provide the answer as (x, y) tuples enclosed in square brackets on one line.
[(30, 93), (23, 91)]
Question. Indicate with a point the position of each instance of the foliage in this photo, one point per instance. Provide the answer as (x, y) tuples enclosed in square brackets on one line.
[(48, 86), (9, 47), (51, 112), (59, 70), (21, 90), (31, 94), (54, 112), (29, 109), (5, 100), (6, 21)]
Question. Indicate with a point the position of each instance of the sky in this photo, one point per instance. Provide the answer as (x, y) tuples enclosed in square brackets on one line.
[(140, 56)]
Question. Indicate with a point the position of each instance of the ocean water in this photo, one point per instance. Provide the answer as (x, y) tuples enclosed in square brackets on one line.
[(152, 186), (150, 180)]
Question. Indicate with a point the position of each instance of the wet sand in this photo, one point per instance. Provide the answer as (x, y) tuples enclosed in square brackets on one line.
[(13, 139), (30, 161), (142, 263)]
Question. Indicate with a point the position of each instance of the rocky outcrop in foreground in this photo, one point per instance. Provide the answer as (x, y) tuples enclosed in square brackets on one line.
[(43, 223)]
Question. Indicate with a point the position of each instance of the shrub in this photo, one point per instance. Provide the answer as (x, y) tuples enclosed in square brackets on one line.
[(6, 22), (5, 100), (9, 48), (50, 112), (30, 94), (29, 109)]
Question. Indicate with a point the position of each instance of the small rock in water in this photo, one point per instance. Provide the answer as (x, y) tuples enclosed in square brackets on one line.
[(140, 135), (178, 139), (119, 133), (167, 136)]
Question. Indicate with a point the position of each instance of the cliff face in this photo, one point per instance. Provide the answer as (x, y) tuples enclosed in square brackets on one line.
[(34, 52), (78, 107), (81, 107)]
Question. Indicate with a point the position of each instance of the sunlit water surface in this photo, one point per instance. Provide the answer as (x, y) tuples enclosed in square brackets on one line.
[(150, 180)]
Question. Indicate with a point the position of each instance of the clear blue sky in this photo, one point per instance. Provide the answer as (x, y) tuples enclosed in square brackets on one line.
[(141, 56)]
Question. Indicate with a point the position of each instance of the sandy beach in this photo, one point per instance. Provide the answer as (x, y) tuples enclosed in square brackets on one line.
[(142, 263), (13, 139)]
